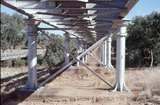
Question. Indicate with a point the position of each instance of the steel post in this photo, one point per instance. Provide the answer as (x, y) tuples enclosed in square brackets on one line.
[(31, 31), (66, 49), (120, 60)]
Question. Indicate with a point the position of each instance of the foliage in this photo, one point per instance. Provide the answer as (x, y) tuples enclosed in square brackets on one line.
[(55, 50), (11, 30), (72, 48), (54, 54), (143, 40), (13, 36)]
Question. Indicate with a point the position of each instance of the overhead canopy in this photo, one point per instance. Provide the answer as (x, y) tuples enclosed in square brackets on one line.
[(88, 19)]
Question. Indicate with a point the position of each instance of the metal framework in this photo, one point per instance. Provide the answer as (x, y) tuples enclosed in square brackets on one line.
[(92, 21)]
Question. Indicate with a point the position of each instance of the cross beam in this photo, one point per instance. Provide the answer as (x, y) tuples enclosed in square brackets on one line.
[(71, 62)]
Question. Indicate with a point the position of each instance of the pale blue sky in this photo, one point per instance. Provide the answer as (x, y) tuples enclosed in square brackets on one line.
[(143, 7)]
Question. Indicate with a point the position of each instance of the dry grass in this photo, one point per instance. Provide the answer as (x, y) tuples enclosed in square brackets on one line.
[(150, 92), (82, 88), (78, 86)]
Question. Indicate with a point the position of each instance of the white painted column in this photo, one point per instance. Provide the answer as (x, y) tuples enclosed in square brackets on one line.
[(120, 60), (108, 53), (66, 49), (78, 50), (86, 57), (101, 53), (83, 49), (31, 31), (105, 52)]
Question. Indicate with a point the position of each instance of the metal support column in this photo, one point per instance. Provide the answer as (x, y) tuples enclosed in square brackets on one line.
[(120, 60), (66, 49), (105, 53), (86, 57), (108, 53), (83, 50), (31, 31), (102, 53), (78, 49)]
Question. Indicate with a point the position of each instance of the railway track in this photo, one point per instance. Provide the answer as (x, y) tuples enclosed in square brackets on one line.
[(15, 54), (12, 83)]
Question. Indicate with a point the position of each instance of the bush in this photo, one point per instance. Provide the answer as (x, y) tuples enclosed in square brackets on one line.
[(54, 54), (143, 41)]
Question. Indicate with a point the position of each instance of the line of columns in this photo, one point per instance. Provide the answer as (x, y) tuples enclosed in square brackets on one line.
[(31, 31), (105, 56), (106, 53), (81, 47)]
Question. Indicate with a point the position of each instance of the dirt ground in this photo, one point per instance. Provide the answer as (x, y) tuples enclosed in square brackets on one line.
[(80, 87), (77, 86)]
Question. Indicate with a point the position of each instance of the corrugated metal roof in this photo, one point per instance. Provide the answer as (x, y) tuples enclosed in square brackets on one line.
[(89, 19)]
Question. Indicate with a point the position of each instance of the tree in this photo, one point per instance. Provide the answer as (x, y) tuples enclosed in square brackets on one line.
[(55, 50), (11, 30), (54, 53), (143, 41)]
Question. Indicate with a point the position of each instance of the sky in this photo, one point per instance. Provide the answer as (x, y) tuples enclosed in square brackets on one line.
[(142, 8)]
